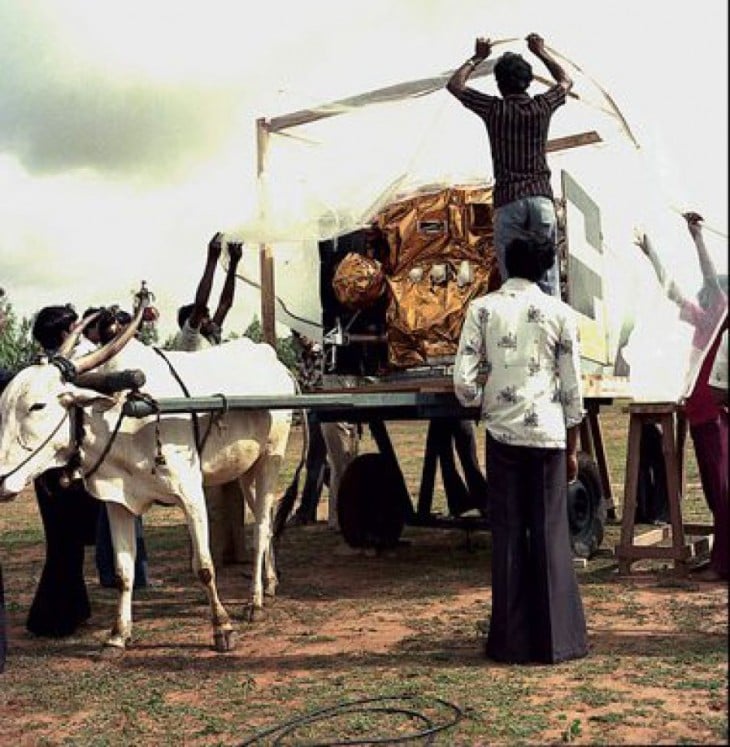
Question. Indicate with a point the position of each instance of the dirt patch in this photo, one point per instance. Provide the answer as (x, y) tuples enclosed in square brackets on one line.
[(354, 625)]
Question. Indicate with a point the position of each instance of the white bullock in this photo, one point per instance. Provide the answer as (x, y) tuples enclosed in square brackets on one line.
[(132, 463)]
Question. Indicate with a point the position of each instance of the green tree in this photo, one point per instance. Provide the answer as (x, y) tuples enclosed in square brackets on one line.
[(285, 349), (16, 342), (149, 334)]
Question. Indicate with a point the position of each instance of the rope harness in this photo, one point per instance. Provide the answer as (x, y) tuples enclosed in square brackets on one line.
[(68, 372), (199, 442), (35, 453), (159, 460)]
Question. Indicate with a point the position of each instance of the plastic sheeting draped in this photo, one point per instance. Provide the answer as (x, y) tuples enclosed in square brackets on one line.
[(331, 169)]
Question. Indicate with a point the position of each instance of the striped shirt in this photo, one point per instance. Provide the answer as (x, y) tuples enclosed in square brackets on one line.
[(517, 126)]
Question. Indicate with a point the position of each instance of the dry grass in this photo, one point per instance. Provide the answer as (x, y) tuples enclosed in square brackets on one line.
[(349, 626)]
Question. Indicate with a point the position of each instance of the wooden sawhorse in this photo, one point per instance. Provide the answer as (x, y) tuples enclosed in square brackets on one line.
[(652, 544)]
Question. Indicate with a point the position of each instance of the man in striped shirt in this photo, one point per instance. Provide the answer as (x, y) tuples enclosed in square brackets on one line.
[(517, 125)]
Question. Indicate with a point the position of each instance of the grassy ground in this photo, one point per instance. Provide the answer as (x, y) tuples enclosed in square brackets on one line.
[(349, 626)]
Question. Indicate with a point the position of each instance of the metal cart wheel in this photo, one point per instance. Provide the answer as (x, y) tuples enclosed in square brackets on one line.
[(586, 508), (371, 504)]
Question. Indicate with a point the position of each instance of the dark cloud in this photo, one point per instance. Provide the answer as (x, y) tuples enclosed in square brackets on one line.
[(57, 116), (60, 124)]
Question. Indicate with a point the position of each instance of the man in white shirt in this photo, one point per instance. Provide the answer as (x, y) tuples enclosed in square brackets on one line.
[(532, 406)]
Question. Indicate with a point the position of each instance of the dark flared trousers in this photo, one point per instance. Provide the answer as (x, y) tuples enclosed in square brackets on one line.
[(316, 466), (537, 612), (711, 452), (69, 514), (104, 552)]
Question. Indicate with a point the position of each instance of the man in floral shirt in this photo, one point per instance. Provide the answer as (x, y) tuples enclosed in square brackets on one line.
[(532, 406)]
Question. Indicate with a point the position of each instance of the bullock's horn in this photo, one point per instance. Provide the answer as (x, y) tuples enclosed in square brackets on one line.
[(67, 346), (102, 355), (113, 381)]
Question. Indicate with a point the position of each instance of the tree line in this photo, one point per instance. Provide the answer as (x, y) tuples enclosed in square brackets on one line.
[(18, 349)]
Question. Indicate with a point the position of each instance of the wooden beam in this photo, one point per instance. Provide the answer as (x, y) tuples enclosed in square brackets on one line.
[(266, 257), (573, 141)]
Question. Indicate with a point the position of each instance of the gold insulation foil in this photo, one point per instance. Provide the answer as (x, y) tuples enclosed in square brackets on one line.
[(441, 256)]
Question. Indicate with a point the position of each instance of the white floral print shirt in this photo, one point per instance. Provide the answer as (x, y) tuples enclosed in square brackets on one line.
[(528, 343)]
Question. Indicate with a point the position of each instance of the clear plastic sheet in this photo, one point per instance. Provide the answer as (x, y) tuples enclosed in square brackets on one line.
[(330, 169)]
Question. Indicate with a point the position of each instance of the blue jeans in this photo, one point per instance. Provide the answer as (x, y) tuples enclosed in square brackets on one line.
[(104, 553), (527, 218)]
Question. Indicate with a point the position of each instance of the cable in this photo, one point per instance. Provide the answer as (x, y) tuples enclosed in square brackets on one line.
[(281, 303), (365, 705)]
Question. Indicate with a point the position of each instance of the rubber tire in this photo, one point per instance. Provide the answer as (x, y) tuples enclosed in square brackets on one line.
[(586, 509), (371, 502)]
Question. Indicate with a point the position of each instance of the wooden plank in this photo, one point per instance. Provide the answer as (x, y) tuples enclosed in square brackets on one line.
[(651, 408), (589, 137), (600, 454), (268, 295), (652, 552), (693, 529), (630, 485), (651, 537)]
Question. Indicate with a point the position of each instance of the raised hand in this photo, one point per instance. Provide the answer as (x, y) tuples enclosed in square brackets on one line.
[(535, 43), (235, 250), (694, 223), (692, 217), (215, 245), (482, 47), (641, 240)]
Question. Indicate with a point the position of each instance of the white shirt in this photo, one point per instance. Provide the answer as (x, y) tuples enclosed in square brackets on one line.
[(718, 375), (190, 339), (528, 343)]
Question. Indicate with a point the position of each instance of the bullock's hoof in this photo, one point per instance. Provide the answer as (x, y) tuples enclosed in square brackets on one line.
[(224, 641)]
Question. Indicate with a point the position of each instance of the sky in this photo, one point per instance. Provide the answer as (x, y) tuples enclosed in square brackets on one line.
[(127, 129)]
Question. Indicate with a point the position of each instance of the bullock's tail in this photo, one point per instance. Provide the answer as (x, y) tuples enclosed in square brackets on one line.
[(286, 504)]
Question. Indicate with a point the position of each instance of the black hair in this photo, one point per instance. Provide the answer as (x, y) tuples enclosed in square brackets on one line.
[(109, 319), (183, 314), (51, 324), (513, 73), (5, 376), (529, 259)]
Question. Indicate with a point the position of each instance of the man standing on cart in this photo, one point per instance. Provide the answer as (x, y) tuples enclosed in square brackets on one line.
[(517, 125)]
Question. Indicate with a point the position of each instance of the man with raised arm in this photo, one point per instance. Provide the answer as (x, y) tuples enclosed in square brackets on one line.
[(708, 420), (517, 125), (199, 330)]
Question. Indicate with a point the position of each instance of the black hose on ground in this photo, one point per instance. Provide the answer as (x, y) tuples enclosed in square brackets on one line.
[(365, 705)]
